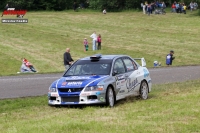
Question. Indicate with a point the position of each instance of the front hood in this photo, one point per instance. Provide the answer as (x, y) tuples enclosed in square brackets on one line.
[(79, 81)]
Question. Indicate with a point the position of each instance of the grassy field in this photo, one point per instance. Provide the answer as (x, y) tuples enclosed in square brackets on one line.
[(44, 39), (171, 108)]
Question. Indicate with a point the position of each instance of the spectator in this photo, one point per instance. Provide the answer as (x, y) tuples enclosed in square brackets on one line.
[(173, 8), (184, 8), (163, 6), (141, 5), (144, 9), (6, 8), (85, 43), (94, 40), (180, 8), (26, 66), (149, 9), (68, 61), (104, 11), (74, 6), (82, 5), (99, 42), (191, 6), (170, 58), (195, 5), (177, 7)]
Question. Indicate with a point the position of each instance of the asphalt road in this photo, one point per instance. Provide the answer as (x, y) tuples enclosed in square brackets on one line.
[(38, 84)]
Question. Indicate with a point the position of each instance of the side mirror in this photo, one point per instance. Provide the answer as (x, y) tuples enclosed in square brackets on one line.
[(114, 73)]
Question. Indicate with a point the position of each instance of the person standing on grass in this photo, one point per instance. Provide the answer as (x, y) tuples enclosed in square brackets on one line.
[(6, 8), (68, 61), (85, 43), (177, 7), (195, 5), (144, 9), (184, 8), (191, 6), (99, 42), (149, 9), (170, 58), (94, 41), (74, 6), (173, 8), (180, 8)]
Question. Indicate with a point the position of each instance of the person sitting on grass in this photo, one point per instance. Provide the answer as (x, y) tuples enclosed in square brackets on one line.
[(27, 66), (104, 11)]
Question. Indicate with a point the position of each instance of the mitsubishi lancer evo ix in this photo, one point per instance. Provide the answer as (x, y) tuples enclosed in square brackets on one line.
[(101, 79)]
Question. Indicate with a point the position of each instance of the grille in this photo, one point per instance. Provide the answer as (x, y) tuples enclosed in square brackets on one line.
[(70, 89), (70, 99)]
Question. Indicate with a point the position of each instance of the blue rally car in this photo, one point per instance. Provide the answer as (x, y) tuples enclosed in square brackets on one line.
[(101, 79)]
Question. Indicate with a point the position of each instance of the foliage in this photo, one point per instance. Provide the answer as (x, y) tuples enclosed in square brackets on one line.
[(110, 5), (39, 4)]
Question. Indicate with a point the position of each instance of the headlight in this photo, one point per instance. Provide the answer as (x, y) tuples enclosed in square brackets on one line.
[(52, 89), (94, 88)]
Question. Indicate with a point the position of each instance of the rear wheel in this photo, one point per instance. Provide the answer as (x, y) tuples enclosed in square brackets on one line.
[(110, 97), (144, 90)]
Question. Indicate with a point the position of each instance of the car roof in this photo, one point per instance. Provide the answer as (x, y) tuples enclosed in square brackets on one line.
[(104, 57)]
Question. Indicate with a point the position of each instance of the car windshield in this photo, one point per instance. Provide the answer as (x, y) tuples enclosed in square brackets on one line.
[(89, 67)]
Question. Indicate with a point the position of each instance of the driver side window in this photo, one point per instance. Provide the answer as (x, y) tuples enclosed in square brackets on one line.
[(129, 64), (119, 67)]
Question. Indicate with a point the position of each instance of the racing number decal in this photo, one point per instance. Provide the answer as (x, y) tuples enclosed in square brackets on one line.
[(131, 84)]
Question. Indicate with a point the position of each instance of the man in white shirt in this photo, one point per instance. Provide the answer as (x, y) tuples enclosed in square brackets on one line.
[(191, 6), (94, 41), (104, 11)]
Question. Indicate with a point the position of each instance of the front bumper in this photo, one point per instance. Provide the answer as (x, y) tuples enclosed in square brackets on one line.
[(83, 98)]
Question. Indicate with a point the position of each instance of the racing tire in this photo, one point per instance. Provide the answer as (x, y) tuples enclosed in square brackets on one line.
[(144, 90), (110, 97)]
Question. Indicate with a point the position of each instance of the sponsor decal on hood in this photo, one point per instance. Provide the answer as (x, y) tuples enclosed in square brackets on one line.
[(79, 81)]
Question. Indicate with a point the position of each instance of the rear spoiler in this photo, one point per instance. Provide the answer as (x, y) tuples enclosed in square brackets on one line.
[(142, 61)]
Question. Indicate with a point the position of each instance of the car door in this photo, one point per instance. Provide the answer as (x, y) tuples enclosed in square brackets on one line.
[(132, 75), (119, 73)]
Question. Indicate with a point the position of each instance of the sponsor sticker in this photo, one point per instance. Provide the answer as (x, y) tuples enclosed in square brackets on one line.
[(98, 93), (76, 77), (54, 95), (146, 73), (121, 77), (102, 99), (74, 83), (64, 83), (131, 84), (122, 91), (85, 94)]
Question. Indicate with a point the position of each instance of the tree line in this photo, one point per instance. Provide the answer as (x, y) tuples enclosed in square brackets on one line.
[(59, 5)]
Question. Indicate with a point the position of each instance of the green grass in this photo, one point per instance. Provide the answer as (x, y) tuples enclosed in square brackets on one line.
[(44, 39), (171, 108)]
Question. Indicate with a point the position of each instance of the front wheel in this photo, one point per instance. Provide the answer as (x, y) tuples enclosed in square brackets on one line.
[(110, 98), (144, 90)]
